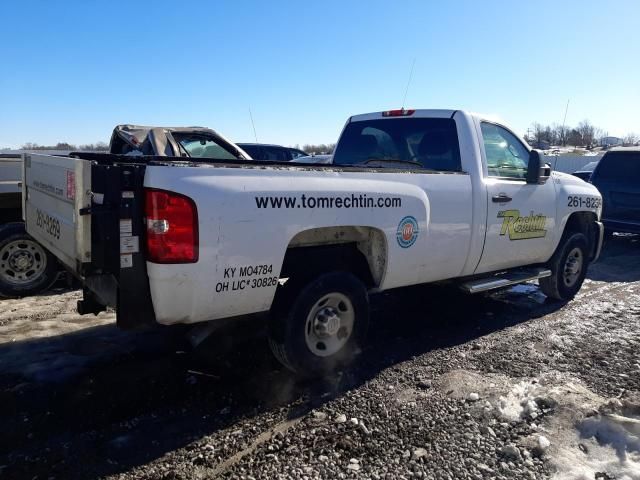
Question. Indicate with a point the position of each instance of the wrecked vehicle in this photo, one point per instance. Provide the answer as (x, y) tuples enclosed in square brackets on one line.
[(192, 142), (26, 268)]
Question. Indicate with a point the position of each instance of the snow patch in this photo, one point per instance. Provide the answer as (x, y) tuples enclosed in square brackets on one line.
[(610, 444), (579, 433), (560, 341), (520, 402), (524, 288)]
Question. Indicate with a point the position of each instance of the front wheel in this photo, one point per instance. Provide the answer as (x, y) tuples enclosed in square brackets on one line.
[(568, 268), (317, 327), (26, 268)]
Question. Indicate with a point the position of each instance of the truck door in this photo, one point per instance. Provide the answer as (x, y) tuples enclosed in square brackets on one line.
[(521, 217)]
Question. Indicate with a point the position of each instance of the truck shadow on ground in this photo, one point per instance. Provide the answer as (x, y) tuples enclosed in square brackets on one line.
[(620, 260), (123, 399), (129, 398)]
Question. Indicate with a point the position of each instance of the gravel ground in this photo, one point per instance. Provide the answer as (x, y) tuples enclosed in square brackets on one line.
[(448, 387)]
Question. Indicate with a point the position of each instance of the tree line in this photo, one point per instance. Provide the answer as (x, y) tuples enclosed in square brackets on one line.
[(585, 134), (95, 147), (319, 149)]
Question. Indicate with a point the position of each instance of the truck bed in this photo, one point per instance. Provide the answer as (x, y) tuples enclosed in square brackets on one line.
[(90, 214)]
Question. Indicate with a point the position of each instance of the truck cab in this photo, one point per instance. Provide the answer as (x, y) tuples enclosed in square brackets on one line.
[(515, 212)]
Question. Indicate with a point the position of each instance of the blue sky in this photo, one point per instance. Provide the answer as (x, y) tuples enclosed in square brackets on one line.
[(72, 70)]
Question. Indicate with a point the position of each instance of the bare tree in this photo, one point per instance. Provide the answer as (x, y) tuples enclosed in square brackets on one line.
[(322, 148), (630, 138), (95, 147), (538, 132), (574, 137), (64, 146), (559, 134), (586, 131), (598, 133)]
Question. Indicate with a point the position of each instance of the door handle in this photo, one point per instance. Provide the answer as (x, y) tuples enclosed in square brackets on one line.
[(502, 198)]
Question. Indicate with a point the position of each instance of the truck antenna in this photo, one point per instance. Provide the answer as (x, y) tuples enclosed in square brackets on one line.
[(253, 125), (564, 120), (409, 82)]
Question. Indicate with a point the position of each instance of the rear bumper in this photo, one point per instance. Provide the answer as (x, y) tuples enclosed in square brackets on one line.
[(599, 240), (621, 226)]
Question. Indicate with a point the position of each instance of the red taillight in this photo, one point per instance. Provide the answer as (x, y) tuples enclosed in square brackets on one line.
[(398, 113), (172, 227)]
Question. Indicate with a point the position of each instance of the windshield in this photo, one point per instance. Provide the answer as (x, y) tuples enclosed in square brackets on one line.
[(589, 167), (202, 146), (429, 142)]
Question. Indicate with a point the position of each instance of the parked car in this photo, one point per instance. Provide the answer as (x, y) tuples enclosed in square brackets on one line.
[(275, 153), (317, 159), (617, 177), (192, 142), (585, 172), (27, 268), (412, 197)]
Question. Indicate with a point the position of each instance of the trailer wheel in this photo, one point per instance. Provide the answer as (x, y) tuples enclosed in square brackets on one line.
[(568, 268), (26, 267), (318, 327)]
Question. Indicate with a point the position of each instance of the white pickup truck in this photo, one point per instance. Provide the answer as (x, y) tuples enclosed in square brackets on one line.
[(412, 197)]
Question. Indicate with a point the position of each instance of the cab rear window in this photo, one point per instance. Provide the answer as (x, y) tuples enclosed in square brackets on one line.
[(431, 143)]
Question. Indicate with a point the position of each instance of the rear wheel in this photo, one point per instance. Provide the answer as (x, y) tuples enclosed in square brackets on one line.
[(317, 327), (26, 268), (568, 268)]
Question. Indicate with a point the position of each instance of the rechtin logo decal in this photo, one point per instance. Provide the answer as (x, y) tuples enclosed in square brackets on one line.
[(522, 228), (407, 232)]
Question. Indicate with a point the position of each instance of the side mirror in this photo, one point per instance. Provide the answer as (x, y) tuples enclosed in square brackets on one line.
[(537, 171)]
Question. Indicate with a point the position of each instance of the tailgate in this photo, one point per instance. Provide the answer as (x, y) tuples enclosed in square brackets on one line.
[(55, 189), (10, 174)]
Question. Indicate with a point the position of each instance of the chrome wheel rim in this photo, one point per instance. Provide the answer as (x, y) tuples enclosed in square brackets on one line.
[(573, 267), (329, 325), (21, 262)]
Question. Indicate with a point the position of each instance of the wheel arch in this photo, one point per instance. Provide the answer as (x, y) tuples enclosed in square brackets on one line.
[(360, 250), (581, 222)]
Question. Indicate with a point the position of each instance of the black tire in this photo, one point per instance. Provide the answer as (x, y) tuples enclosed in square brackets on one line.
[(292, 331), (562, 285), (26, 268)]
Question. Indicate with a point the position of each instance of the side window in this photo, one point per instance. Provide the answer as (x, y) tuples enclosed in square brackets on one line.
[(276, 154), (253, 151), (506, 156), (295, 153)]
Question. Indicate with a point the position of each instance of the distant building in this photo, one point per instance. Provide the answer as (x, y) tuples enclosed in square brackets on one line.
[(541, 145), (610, 141)]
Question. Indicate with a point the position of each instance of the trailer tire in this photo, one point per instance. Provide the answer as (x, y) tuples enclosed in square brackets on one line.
[(26, 267), (317, 327), (568, 268)]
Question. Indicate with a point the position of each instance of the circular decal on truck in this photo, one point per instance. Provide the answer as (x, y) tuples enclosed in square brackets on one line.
[(407, 232)]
